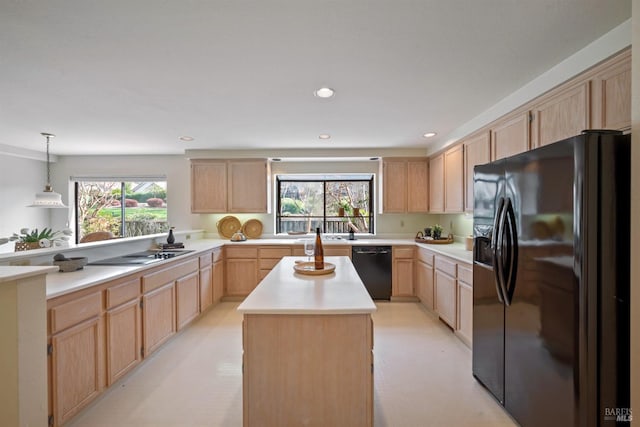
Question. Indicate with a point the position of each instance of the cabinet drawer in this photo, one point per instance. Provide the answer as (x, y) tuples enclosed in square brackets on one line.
[(74, 312), (238, 252), (168, 275), (403, 252), (216, 255), (446, 266), (122, 293), (465, 273), (267, 264), (337, 250), (205, 259), (425, 256), (274, 252)]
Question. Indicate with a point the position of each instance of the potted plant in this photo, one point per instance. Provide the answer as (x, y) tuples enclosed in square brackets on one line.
[(344, 207), (34, 239), (436, 232)]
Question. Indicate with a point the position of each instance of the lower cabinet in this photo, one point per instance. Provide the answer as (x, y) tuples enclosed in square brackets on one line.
[(241, 269), (402, 271), (124, 341), (464, 328), (206, 281), (187, 299), (445, 297), (158, 317), (217, 273), (424, 277)]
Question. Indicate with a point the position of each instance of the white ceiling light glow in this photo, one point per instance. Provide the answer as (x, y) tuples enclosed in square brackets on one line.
[(324, 136), (186, 138), (429, 134), (324, 92)]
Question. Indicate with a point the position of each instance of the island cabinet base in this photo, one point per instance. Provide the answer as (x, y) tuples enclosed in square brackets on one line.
[(311, 370)]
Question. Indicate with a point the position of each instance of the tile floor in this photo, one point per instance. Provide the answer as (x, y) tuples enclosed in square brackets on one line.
[(422, 377)]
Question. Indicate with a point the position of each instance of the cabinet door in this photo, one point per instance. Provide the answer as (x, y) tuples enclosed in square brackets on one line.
[(218, 281), (424, 283), (562, 116), (158, 317), (394, 182), (446, 297), (208, 186), (77, 368), (510, 136), (247, 186), (124, 343), (476, 152), (436, 184), (612, 97), (206, 288), (241, 276), (418, 186), (402, 278), (453, 179), (187, 301), (464, 328)]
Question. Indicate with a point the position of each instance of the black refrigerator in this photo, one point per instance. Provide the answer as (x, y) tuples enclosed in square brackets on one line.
[(551, 281)]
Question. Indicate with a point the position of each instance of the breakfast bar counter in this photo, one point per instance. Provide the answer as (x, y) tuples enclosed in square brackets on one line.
[(308, 344)]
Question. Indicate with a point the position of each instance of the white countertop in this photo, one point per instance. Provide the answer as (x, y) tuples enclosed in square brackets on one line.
[(10, 273), (283, 291)]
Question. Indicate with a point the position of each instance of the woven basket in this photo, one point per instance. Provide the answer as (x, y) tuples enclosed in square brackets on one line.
[(25, 246)]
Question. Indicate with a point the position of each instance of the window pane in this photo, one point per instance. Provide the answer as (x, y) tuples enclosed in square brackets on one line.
[(98, 207), (145, 208)]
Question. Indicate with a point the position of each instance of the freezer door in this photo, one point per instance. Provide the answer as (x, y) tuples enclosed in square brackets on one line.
[(488, 308), (541, 334)]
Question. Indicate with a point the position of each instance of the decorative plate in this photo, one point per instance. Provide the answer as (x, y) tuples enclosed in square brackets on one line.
[(310, 269), (252, 228), (227, 226)]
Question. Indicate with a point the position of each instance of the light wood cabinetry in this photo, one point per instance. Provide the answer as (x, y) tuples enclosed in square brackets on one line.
[(269, 256), (405, 186), (219, 186), (158, 317), (217, 272), (436, 184), (424, 277), (477, 151), (510, 136), (208, 186), (445, 289), (123, 321), (206, 281), (562, 115), (454, 179), (402, 276), (77, 374), (611, 94), (241, 270), (418, 188), (337, 250), (187, 299), (464, 324)]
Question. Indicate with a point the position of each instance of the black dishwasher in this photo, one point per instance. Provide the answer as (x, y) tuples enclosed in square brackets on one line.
[(373, 264)]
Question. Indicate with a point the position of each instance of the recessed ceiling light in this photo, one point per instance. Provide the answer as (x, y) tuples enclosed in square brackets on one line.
[(429, 134), (186, 138), (324, 136), (324, 92)]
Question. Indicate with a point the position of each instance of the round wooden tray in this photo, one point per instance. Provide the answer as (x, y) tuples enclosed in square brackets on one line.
[(252, 228), (434, 242), (228, 225), (309, 268)]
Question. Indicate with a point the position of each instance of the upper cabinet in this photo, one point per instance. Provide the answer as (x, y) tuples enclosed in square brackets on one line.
[(405, 185), (219, 186), (561, 116), (611, 95), (454, 179), (436, 184), (476, 152), (510, 136)]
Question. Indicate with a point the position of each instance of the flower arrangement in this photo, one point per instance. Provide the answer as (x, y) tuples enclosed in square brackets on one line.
[(34, 239)]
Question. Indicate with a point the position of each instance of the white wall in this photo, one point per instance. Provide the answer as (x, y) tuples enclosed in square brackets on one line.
[(20, 180)]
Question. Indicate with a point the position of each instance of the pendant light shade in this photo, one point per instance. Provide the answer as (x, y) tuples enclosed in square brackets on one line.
[(48, 198)]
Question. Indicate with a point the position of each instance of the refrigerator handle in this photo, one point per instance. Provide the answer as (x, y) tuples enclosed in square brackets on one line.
[(496, 252), (501, 252), (513, 252)]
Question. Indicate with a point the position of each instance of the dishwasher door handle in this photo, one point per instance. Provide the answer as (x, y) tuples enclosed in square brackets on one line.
[(369, 253)]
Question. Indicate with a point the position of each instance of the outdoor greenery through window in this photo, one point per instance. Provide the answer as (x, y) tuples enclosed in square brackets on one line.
[(336, 204), (125, 208)]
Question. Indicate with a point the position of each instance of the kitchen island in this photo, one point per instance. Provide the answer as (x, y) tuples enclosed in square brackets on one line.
[(308, 344)]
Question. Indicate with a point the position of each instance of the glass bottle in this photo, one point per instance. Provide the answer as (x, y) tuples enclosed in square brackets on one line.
[(170, 238), (318, 254)]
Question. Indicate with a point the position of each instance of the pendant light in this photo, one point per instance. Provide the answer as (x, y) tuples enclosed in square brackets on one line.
[(48, 198)]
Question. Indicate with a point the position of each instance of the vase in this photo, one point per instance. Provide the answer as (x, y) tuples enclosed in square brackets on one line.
[(170, 238), (25, 246)]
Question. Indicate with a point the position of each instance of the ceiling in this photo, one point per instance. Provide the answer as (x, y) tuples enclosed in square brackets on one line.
[(130, 77)]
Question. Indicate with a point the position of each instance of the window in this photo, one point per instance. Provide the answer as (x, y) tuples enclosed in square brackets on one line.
[(336, 204), (126, 208)]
